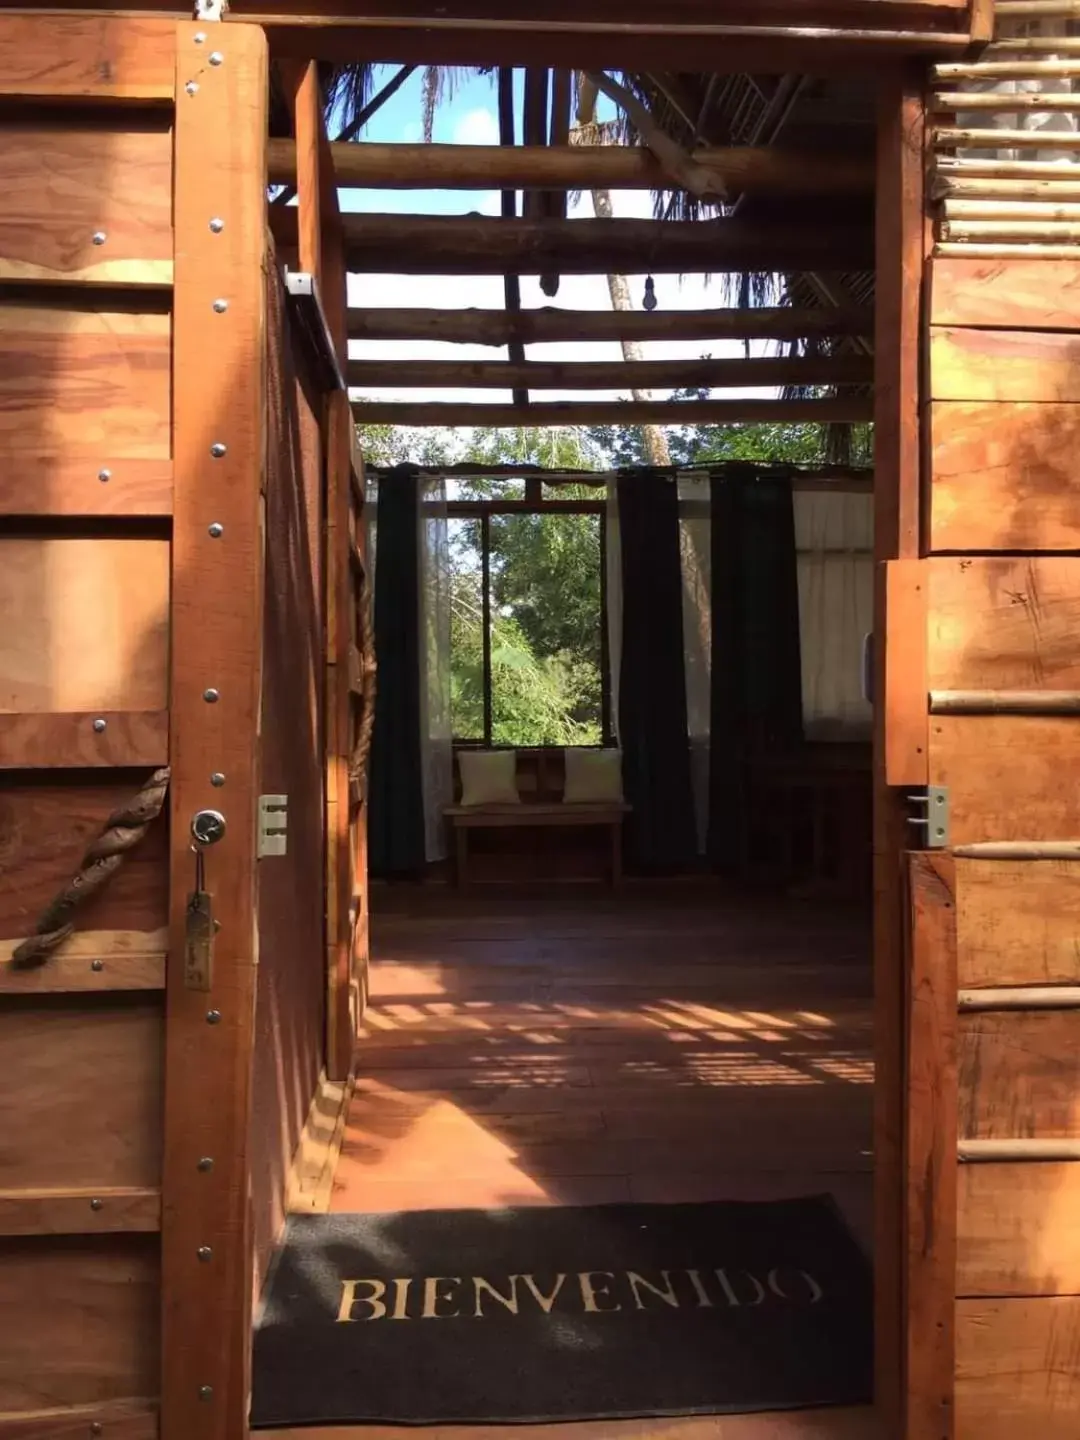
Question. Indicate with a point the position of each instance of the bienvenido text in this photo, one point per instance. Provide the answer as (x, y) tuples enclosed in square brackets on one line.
[(591, 1292)]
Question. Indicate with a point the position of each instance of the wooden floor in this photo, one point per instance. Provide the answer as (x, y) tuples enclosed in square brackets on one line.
[(585, 1048)]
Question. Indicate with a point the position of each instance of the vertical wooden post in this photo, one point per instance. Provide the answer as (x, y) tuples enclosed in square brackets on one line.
[(217, 585), (900, 229), (930, 1153)]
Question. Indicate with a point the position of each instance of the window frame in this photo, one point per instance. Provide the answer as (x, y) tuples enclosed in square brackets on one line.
[(533, 503)]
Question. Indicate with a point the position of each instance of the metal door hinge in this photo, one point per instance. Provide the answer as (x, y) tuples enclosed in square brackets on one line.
[(273, 825), (936, 818)]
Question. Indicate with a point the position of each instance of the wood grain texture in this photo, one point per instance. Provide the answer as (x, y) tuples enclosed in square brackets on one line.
[(1006, 294), (85, 1106), (1002, 476), (79, 1318), (1017, 1230), (84, 384), (1020, 1075), (217, 637), (102, 1211), (66, 182), (69, 57), (998, 623), (931, 1099), (88, 626), (91, 960), (137, 1420), (75, 487), (1005, 777), (48, 741), (1018, 922), (906, 684), (46, 823), (1018, 1369), (1012, 365)]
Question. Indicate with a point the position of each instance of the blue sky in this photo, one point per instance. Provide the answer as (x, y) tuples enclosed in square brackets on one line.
[(469, 116)]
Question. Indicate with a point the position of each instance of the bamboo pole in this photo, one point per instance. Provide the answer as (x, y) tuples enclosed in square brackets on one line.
[(947, 187), (1030, 9), (1000, 1151), (957, 101), (1020, 997), (577, 167), (1007, 70), (853, 410), (949, 135), (1047, 230), (1008, 210), (956, 165), (971, 250), (612, 374), (1020, 850), (497, 327), (1005, 702)]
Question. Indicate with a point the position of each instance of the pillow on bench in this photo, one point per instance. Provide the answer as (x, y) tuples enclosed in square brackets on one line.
[(488, 777), (593, 777)]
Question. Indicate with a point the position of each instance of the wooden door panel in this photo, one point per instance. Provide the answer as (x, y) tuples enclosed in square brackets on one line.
[(1013, 365), (1004, 774), (1020, 1075), (1018, 1369), (1017, 922), (1017, 1232)]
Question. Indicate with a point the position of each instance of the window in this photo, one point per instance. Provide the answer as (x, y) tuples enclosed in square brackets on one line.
[(528, 640)]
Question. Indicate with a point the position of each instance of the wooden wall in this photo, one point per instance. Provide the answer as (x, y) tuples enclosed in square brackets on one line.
[(1002, 595)]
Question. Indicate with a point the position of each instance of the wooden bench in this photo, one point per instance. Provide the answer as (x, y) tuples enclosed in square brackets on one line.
[(540, 785)]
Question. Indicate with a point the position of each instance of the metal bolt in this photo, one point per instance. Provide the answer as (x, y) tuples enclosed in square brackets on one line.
[(220, 306), (98, 237), (215, 530), (104, 475), (205, 1165), (97, 966), (210, 696), (217, 450), (217, 225), (213, 1017), (217, 779), (200, 37), (96, 1427), (206, 1392), (216, 58), (97, 1204), (205, 1254), (99, 725), (192, 87)]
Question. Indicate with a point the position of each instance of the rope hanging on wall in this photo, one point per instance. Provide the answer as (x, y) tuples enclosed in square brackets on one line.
[(123, 830), (368, 678)]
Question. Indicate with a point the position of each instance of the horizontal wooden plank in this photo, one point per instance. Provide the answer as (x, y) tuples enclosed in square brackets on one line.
[(79, 1212), (108, 737), (87, 201), (1016, 1230), (1019, 1075), (1007, 776), (1000, 624), (1018, 922), (81, 1106), (1002, 477), (1013, 365), (71, 58), (1018, 1369), (79, 1317), (91, 627), (88, 384), (136, 1420), (1006, 294), (82, 487), (91, 960), (46, 822)]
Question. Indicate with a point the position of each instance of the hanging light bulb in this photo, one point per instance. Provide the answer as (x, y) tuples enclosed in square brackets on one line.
[(649, 301)]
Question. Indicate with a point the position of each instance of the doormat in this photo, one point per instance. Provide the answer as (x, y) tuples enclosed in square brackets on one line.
[(482, 1316)]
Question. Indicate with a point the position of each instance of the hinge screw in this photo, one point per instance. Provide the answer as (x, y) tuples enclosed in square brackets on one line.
[(205, 1165), (210, 695), (98, 237), (215, 530), (99, 726), (192, 87), (104, 475), (97, 1204), (217, 225), (216, 58), (206, 1392), (217, 779), (218, 450), (220, 306), (205, 1254), (213, 1017), (97, 966)]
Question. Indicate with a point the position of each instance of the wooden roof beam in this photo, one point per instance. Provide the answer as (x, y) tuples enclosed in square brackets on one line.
[(808, 370), (482, 245), (579, 167), (855, 409), (531, 327)]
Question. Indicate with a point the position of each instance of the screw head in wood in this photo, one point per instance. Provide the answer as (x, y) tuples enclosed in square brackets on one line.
[(199, 37), (99, 725), (213, 1017), (99, 237), (215, 531), (217, 779), (206, 1392), (216, 58), (205, 1254), (97, 966), (210, 695), (218, 450), (220, 306), (96, 1427), (192, 87), (217, 225), (97, 1204), (205, 1165), (104, 475)]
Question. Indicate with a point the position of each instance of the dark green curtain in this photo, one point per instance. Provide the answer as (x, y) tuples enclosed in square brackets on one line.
[(396, 796), (756, 700), (652, 682)]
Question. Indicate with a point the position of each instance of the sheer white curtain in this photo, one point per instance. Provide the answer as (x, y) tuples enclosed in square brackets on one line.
[(834, 540), (435, 725), (695, 545)]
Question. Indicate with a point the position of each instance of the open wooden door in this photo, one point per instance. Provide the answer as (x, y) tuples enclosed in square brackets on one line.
[(980, 748)]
